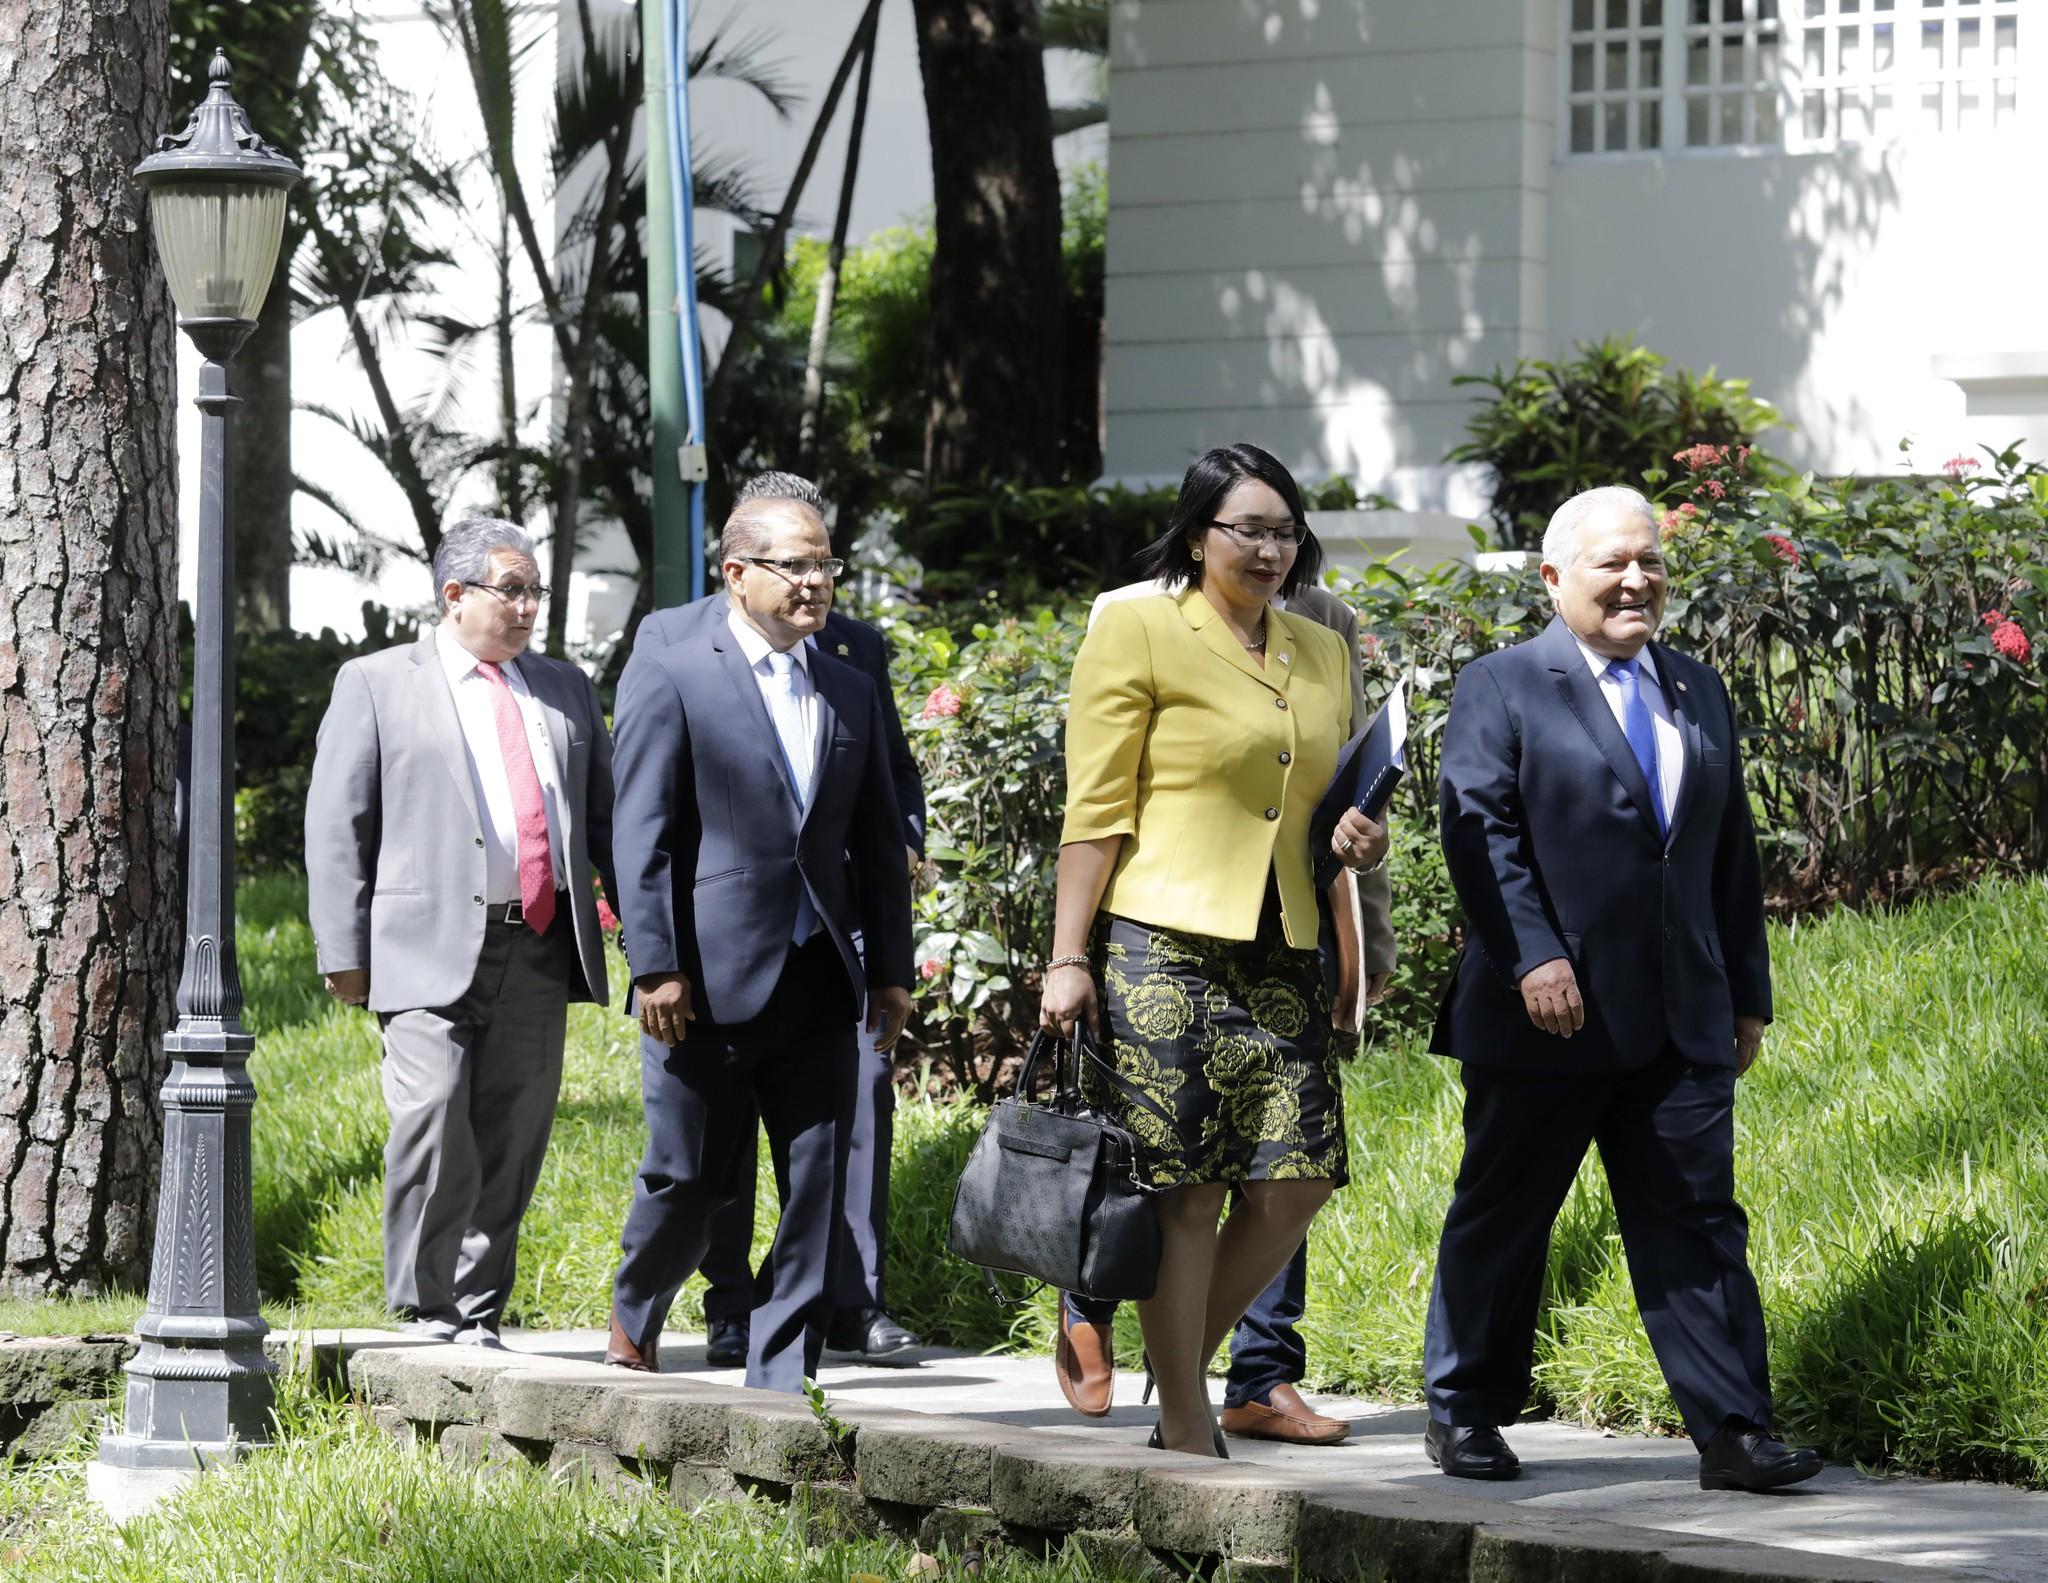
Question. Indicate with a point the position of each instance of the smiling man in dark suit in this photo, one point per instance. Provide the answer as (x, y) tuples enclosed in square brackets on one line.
[(1615, 983), (757, 835)]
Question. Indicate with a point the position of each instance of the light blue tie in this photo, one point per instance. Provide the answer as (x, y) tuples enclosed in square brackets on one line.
[(1641, 733), (796, 753)]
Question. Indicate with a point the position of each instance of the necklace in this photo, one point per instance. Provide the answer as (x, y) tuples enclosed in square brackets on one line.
[(1254, 648)]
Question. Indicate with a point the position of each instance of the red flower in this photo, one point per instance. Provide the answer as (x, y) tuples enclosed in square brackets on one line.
[(607, 920), (1795, 713), (942, 702), (1372, 645), (931, 967), (1696, 457), (2010, 641), (1712, 487), (1783, 548), (1993, 618), (1956, 466)]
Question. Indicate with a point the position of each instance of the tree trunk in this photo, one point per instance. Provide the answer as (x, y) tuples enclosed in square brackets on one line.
[(263, 466), (997, 286), (88, 646)]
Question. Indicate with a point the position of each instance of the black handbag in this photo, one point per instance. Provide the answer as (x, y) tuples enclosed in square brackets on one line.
[(1052, 1191)]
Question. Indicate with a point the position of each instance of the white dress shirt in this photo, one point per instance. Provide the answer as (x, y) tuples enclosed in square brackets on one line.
[(1663, 728), (478, 716), (797, 755)]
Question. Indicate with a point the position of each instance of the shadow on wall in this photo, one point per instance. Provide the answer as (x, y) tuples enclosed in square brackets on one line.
[(1311, 239)]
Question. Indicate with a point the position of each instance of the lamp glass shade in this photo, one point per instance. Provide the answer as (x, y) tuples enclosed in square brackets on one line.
[(219, 242)]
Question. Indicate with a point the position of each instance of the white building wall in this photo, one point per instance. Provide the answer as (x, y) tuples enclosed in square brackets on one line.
[(1322, 213)]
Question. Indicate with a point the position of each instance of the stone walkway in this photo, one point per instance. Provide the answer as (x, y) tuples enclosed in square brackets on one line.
[(1980, 1530)]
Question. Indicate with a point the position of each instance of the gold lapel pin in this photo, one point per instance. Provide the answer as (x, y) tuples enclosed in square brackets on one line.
[(843, 649), (1283, 659), (1681, 685)]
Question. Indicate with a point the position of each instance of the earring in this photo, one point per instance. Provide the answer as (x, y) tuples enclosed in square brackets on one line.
[(1196, 552)]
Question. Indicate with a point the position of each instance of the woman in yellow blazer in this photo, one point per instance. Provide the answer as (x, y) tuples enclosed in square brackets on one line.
[(1203, 729)]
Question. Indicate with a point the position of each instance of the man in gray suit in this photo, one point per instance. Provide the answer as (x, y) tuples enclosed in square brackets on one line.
[(461, 800)]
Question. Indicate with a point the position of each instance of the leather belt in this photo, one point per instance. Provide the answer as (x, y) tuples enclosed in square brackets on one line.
[(514, 912)]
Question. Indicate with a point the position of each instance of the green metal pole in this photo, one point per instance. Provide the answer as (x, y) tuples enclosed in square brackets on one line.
[(664, 346)]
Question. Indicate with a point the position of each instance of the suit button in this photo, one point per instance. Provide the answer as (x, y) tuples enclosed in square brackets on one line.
[(479, 840), (1287, 758), (1272, 813), (478, 900), (1667, 934), (1279, 703)]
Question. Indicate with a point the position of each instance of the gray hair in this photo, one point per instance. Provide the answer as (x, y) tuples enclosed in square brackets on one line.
[(746, 530), (1561, 537), (464, 554), (782, 486)]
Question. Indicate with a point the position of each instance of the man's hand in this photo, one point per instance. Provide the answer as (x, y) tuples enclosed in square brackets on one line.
[(1550, 994), (665, 1009), (1749, 1039), (351, 986), (1357, 841), (1376, 987), (888, 1011)]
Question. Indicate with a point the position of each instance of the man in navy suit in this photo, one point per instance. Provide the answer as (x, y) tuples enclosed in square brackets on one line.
[(861, 1326), (757, 836), (1615, 983)]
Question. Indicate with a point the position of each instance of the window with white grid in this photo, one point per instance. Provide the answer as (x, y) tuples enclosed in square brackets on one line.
[(1649, 76), (1614, 75), (1733, 72)]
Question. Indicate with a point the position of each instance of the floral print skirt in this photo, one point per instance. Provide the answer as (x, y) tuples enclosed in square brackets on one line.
[(1226, 1071)]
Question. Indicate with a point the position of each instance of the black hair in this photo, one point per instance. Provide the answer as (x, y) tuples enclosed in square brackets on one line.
[(1210, 477)]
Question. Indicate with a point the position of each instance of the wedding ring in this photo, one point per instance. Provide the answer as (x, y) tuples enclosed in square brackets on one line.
[(1345, 842)]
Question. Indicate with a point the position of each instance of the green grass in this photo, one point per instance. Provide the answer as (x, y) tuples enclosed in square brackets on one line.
[(337, 1499), (1893, 1156)]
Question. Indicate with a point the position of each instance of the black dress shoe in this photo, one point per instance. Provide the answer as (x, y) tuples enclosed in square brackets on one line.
[(1474, 1451), (868, 1333), (725, 1343), (1744, 1457)]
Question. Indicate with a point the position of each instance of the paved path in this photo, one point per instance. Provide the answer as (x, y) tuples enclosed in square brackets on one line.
[(1985, 1529)]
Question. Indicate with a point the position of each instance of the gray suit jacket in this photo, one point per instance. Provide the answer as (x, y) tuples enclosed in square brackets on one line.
[(394, 841)]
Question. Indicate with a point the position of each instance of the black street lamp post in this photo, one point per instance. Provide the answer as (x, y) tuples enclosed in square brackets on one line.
[(200, 1389)]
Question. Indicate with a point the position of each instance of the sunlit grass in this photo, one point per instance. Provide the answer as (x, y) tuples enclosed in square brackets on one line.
[(1892, 1155)]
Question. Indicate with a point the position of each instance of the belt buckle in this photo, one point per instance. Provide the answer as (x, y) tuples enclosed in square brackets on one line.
[(515, 911)]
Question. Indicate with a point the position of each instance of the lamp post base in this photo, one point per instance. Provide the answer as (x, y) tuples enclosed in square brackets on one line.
[(132, 1475)]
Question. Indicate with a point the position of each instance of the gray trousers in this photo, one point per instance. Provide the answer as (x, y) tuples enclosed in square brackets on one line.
[(471, 1089)]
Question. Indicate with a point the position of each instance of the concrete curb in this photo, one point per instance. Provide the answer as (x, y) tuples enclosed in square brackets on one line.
[(931, 1477)]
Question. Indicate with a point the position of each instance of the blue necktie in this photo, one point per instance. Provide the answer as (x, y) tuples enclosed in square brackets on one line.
[(796, 755), (1641, 733)]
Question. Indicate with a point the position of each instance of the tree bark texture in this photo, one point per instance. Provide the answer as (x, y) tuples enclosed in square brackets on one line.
[(997, 283), (88, 646)]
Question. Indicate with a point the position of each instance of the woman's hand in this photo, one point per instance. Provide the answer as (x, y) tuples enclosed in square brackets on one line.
[(1069, 993), (1358, 842)]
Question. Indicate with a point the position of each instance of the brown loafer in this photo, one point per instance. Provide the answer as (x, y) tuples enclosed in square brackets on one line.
[(1283, 1415), (1085, 1365), (621, 1353)]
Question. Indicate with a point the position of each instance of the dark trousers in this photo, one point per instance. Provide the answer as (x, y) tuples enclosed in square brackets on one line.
[(1666, 1135), (863, 1227), (1266, 1348), (793, 1067)]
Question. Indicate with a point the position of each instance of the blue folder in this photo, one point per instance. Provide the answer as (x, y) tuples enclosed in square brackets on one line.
[(1369, 767)]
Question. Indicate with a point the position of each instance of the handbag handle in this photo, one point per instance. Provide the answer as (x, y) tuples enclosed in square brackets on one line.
[(1067, 1056)]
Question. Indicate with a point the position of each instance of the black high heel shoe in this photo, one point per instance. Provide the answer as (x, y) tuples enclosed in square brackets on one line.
[(1157, 1444)]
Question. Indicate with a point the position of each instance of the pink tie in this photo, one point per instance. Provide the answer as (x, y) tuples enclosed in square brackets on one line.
[(529, 816)]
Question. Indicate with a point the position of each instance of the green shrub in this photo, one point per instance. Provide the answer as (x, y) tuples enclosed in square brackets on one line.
[(1607, 414)]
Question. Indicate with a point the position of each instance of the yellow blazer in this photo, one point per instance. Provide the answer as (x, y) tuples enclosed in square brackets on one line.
[(1208, 766)]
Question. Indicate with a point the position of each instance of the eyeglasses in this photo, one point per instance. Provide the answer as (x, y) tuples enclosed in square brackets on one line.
[(1252, 534), (798, 570), (513, 593)]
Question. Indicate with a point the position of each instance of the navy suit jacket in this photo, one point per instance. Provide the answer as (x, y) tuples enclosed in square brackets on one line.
[(710, 844), (1551, 840), (857, 644)]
